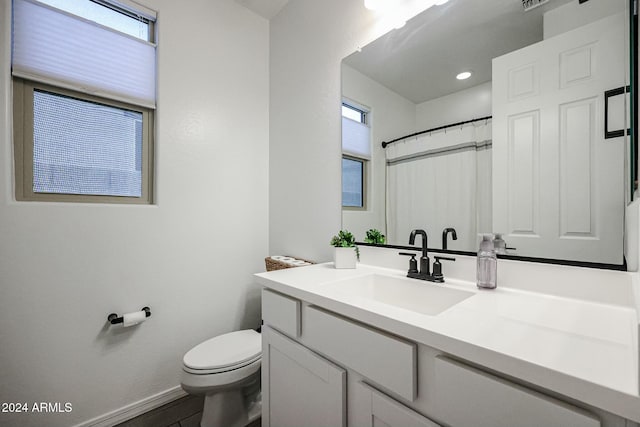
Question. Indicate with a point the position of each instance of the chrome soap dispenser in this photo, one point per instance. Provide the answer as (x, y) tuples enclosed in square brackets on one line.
[(486, 277)]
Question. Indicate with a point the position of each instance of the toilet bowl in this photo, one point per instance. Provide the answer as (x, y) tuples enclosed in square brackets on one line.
[(226, 369)]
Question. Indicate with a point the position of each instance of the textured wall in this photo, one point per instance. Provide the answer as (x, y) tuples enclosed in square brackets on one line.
[(190, 257), (391, 116), (308, 40)]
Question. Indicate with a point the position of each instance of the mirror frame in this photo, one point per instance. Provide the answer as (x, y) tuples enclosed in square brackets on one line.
[(602, 266)]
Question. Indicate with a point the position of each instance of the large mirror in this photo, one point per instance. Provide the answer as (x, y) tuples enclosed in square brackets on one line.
[(532, 142)]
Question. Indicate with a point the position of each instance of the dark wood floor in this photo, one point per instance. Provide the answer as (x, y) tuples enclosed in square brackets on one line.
[(184, 412)]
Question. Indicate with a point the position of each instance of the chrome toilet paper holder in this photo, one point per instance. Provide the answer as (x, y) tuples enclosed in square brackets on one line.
[(114, 319)]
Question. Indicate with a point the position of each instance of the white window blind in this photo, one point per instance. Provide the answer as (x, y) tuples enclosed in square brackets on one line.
[(51, 46), (352, 183), (81, 147), (356, 139)]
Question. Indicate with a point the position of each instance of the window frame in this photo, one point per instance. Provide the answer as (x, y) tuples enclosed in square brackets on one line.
[(23, 139), (365, 167), (118, 7), (365, 113)]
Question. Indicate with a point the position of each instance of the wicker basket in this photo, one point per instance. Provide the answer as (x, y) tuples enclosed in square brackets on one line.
[(274, 264)]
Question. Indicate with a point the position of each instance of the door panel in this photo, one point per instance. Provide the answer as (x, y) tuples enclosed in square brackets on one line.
[(558, 184), (299, 387)]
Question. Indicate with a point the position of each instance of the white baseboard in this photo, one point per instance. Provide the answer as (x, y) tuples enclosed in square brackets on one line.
[(133, 410)]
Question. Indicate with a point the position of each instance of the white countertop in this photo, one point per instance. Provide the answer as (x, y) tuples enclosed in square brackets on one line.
[(581, 349)]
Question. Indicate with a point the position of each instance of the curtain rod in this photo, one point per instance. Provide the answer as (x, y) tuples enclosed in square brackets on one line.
[(385, 143)]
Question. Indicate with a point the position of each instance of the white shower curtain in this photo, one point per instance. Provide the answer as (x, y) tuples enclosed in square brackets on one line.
[(441, 180)]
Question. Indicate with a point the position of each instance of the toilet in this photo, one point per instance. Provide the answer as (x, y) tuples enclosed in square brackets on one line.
[(226, 369)]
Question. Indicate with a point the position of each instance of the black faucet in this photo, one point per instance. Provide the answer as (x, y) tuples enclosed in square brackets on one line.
[(445, 232), (425, 267)]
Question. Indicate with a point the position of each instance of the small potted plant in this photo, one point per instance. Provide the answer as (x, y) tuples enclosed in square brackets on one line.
[(375, 237), (346, 252)]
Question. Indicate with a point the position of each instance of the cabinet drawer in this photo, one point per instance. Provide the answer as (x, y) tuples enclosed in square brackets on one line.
[(386, 360), (469, 397), (281, 312), (372, 408)]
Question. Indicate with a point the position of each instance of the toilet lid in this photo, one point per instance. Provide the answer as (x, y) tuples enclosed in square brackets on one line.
[(234, 348)]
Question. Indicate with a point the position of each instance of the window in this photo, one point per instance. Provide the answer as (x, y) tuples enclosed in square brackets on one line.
[(80, 145), (352, 182), (107, 14), (84, 101), (354, 113), (356, 152)]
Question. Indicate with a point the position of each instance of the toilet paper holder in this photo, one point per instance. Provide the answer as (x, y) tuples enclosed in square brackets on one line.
[(115, 319)]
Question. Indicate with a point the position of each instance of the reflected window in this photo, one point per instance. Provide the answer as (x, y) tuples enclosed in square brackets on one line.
[(352, 183), (356, 153), (354, 113)]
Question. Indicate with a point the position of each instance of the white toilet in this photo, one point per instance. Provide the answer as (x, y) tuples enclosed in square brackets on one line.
[(226, 369)]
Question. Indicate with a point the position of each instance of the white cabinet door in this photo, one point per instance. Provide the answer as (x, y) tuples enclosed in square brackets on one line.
[(558, 184), (299, 388), (372, 408)]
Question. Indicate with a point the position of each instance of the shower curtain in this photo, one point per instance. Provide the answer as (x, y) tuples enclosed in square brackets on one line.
[(441, 180)]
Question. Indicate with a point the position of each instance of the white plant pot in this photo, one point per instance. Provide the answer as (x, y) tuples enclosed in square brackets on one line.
[(345, 257)]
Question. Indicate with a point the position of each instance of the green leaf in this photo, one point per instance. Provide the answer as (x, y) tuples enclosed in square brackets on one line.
[(344, 239), (375, 237)]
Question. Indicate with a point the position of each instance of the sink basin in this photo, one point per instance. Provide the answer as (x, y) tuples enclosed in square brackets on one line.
[(410, 294)]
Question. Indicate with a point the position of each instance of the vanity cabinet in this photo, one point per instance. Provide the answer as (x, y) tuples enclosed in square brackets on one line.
[(322, 369), (300, 388), (383, 359), (282, 312), (469, 397), (371, 408)]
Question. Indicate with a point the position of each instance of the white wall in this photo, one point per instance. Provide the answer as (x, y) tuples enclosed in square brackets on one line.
[(573, 15), (457, 107), (308, 40), (391, 116), (65, 267)]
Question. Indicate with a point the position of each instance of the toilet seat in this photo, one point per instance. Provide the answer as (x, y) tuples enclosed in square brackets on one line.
[(202, 383), (224, 353), (223, 369), (226, 370)]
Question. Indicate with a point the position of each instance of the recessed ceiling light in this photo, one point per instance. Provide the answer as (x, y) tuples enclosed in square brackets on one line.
[(464, 75), (373, 4)]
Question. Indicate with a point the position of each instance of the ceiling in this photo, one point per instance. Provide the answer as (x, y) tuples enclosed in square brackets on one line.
[(420, 60), (265, 8)]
